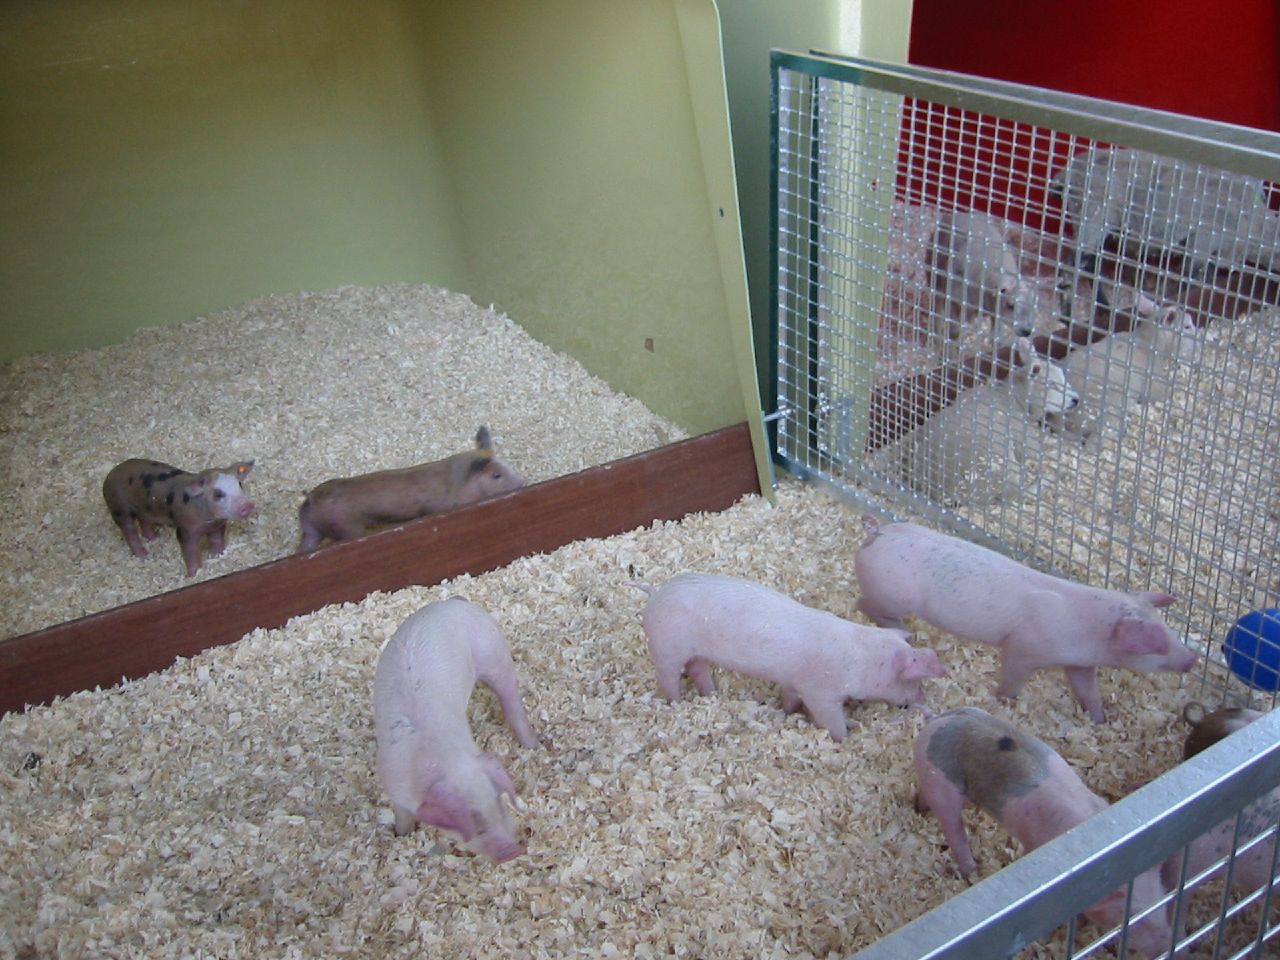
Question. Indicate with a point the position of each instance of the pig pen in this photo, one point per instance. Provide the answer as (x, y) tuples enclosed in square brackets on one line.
[(309, 386), (1177, 493), (228, 806)]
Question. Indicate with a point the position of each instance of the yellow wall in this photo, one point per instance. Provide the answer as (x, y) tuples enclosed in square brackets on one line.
[(560, 159), (164, 159), (585, 196)]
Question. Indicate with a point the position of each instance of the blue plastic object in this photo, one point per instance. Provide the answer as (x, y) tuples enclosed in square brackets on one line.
[(1252, 647)]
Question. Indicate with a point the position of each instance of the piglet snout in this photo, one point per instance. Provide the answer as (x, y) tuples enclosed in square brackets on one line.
[(506, 852)]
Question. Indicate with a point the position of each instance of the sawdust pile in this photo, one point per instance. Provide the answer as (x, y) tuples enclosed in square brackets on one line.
[(228, 806), (309, 386)]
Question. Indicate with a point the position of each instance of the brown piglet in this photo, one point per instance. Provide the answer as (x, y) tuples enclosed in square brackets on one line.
[(346, 507)]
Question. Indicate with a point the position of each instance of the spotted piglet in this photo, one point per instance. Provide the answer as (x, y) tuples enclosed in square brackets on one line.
[(820, 660), (968, 756), (1251, 866), (143, 494)]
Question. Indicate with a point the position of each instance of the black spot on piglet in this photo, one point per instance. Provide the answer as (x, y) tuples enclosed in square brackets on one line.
[(1006, 743), (147, 480), (168, 498)]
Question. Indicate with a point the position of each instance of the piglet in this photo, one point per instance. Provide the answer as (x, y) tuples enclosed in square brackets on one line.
[(1037, 620), (968, 756), (820, 660), (1208, 728), (344, 508), (430, 766), (1251, 868), (144, 494)]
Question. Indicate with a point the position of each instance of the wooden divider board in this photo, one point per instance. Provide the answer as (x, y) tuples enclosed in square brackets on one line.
[(706, 473)]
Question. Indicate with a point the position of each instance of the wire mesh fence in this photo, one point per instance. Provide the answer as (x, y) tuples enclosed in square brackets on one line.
[(1051, 326), (1061, 346)]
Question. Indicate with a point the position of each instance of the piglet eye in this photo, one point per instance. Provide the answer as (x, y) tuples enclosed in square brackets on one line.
[(218, 494)]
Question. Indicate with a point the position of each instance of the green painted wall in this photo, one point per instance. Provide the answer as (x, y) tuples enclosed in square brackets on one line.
[(587, 200), (566, 160), (165, 159)]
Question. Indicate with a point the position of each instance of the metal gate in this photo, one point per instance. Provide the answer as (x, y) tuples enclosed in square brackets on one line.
[(1050, 325)]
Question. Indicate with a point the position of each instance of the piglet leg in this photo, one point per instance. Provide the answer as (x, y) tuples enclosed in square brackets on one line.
[(130, 530), (828, 713), (190, 550), (939, 795), (1014, 674), (405, 820), (699, 671), (217, 539), (503, 685), (1084, 684)]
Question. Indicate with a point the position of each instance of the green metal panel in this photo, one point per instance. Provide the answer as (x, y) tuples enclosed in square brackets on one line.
[(878, 28)]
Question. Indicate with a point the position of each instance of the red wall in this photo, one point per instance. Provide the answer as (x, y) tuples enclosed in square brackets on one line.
[(1178, 55), (1209, 58)]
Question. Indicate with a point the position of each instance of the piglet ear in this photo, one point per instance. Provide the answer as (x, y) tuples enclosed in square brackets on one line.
[(497, 775), (483, 440), (193, 489), (1156, 599), (1134, 636), (478, 464), (446, 808), (919, 663), (242, 469)]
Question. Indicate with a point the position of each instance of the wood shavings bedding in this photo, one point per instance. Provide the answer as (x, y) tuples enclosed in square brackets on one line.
[(310, 386), (229, 807)]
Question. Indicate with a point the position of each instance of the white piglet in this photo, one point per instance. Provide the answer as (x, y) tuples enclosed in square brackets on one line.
[(430, 767), (820, 660), (1037, 620)]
